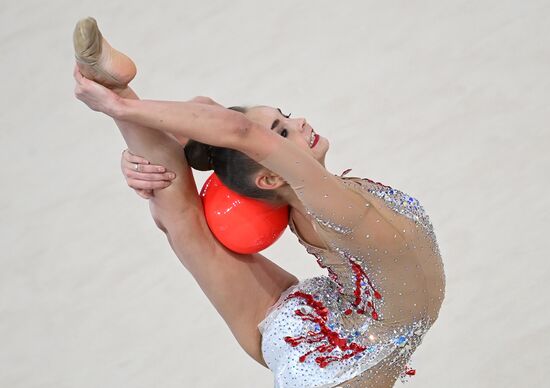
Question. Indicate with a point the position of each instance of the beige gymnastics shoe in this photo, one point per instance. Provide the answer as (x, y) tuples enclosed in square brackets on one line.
[(97, 60)]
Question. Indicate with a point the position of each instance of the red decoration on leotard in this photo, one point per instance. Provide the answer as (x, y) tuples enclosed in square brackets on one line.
[(378, 183), (241, 224), (332, 339), (360, 275)]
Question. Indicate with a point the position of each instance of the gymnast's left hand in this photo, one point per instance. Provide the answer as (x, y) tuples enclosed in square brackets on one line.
[(96, 96)]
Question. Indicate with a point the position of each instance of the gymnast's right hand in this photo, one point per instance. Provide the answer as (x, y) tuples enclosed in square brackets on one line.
[(144, 177)]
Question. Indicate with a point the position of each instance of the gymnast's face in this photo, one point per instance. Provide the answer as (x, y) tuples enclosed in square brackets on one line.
[(296, 130)]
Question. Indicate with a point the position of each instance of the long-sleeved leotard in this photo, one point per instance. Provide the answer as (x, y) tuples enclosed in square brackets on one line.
[(384, 289)]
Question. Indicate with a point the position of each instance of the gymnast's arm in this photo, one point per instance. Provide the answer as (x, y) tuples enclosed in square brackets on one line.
[(198, 100), (320, 192), (210, 124), (226, 128)]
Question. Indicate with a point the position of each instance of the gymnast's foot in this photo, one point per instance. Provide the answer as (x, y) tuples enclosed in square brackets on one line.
[(97, 60)]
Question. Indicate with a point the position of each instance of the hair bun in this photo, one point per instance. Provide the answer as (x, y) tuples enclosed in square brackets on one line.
[(199, 155)]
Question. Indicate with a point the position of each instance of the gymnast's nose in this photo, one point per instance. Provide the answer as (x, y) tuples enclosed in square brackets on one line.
[(301, 123)]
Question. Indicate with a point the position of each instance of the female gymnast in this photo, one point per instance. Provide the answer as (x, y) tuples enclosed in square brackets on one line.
[(356, 327)]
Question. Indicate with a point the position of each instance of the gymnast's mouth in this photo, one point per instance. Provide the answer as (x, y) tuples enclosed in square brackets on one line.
[(313, 139)]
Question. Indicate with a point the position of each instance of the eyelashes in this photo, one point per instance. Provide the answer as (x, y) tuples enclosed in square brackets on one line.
[(284, 132)]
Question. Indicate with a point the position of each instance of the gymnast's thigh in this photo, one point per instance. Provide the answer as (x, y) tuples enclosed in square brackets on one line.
[(259, 287), (240, 287)]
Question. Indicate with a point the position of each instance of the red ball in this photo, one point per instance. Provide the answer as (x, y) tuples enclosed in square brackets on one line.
[(241, 224)]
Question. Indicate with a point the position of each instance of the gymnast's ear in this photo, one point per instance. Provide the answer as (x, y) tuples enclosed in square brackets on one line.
[(268, 180)]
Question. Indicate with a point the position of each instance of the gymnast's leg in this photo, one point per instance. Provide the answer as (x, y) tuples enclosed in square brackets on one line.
[(241, 287)]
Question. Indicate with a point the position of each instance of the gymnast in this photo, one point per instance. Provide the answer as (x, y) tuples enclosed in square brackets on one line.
[(356, 327)]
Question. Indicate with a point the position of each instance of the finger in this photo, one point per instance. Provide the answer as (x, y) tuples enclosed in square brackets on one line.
[(80, 79), (147, 194), (147, 185), (130, 157), (149, 176), (145, 168)]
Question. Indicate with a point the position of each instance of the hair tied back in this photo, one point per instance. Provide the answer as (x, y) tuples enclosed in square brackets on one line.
[(210, 153)]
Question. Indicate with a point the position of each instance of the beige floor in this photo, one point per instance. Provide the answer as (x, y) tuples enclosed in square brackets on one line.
[(446, 100)]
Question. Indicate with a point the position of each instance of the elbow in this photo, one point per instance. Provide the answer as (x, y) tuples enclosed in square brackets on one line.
[(250, 138), (244, 127), (241, 126)]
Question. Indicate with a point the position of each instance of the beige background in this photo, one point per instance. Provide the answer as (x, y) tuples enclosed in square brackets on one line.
[(445, 100)]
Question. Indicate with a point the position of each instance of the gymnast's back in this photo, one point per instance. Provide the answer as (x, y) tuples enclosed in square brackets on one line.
[(359, 325)]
